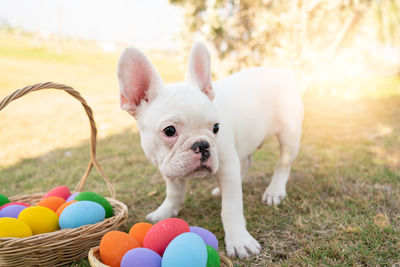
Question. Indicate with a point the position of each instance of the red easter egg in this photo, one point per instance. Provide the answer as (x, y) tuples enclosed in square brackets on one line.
[(59, 191), (14, 203), (161, 234)]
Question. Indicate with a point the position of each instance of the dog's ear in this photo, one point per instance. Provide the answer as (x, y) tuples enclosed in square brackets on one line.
[(138, 80), (199, 72)]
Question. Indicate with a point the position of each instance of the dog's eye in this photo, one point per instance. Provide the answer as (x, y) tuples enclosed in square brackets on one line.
[(169, 131), (216, 128)]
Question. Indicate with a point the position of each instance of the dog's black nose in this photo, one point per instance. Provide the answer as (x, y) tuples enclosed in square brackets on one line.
[(203, 148)]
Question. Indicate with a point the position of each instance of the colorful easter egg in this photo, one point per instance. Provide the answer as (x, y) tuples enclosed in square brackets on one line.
[(141, 257), (59, 191), (113, 247), (81, 213), (139, 231), (187, 249), (11, 211), (3, 200), (160, 235), (91, 196), (63, 206), (52, 203), (14, 203), (208, 237), (71, 197), (213, 259), (11, 227), (39, 219)]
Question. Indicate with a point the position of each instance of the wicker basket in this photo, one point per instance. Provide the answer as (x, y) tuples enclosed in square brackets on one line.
[(63, 246), (94, 259)]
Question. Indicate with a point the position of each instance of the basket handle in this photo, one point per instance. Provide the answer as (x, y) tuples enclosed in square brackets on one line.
[(93, 130)]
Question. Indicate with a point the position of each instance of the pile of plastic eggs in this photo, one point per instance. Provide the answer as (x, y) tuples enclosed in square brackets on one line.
[(168, 243), (58, 209)]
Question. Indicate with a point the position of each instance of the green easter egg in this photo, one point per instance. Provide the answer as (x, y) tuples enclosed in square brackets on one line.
[(91, 196), (213, 259), (3, 200)]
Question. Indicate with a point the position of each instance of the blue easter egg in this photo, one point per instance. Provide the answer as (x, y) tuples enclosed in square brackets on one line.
[(11, 211), (81, 213), (141, 257), (187, 249), (208, 237)]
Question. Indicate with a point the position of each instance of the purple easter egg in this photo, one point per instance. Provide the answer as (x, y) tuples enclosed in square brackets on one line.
[(14, 203), (12, 211), (208, 237), (71, 197), (139, 257)]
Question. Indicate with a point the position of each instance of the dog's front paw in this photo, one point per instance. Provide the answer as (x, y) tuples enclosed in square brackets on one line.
[(162, 213), (274, 194), (241, 245)]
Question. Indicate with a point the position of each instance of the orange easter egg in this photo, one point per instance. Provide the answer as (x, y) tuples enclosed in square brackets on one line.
[(63, 206), (113, 247), (52, 203), (139, 231)]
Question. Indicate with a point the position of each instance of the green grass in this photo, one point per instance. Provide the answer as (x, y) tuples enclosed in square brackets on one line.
[(343, 203)]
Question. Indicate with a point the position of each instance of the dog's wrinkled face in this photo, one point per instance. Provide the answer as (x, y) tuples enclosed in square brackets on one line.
[(178, 123), (177, 132)]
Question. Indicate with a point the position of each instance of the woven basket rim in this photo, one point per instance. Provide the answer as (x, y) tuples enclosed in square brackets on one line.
[(95, 261)]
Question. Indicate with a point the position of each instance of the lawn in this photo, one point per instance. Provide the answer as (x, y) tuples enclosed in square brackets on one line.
[(343, 204)]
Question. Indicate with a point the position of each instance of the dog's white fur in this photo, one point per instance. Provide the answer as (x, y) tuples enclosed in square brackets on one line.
[(249, 106)]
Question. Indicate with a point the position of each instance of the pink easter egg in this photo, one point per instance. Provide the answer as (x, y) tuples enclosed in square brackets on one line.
[(59, 191)]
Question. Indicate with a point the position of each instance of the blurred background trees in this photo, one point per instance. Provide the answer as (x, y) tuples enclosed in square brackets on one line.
[(317, 38)]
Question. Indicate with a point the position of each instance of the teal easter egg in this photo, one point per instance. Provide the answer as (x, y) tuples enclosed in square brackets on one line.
[(187, 249), (3, 200), (81, 213), (91, 196), (213, 259)]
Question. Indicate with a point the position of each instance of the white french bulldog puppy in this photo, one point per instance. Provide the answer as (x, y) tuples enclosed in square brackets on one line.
[(199, 128)]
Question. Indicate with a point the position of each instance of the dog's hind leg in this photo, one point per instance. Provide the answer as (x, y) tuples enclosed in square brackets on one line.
[(216, 191), (245, 165), (289, 143)]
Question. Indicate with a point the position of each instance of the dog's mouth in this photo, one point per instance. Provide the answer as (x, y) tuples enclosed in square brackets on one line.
[(202, 168), (199, 172)]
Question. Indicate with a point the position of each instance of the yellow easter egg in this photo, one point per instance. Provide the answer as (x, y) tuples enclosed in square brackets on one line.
[(40, 219), (11, 227)]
